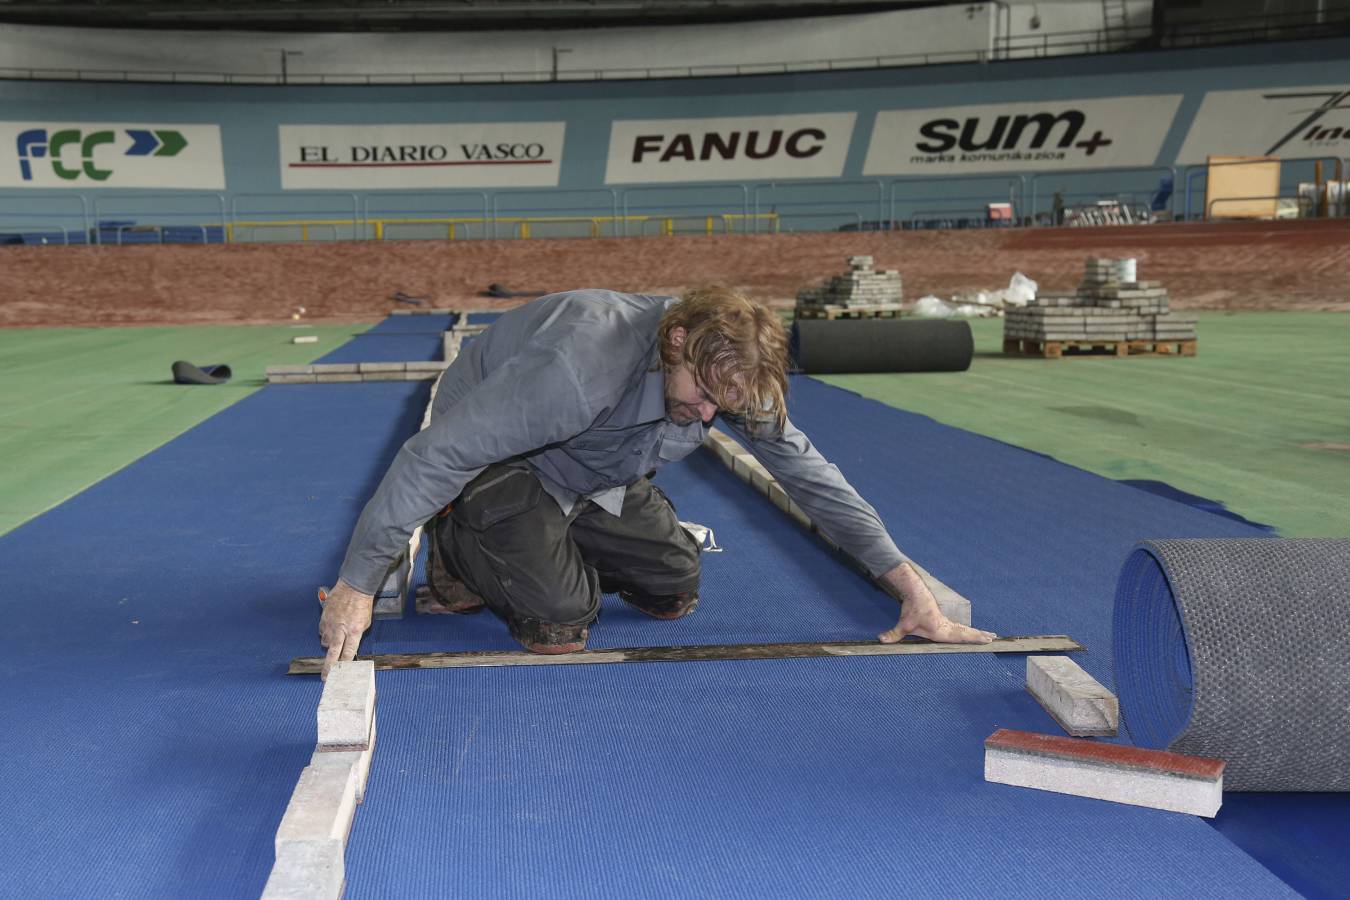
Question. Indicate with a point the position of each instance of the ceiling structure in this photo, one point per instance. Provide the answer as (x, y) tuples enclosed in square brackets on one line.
[(419, 15)]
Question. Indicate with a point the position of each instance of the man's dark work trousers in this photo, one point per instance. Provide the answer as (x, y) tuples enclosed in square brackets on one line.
[(508, 541)]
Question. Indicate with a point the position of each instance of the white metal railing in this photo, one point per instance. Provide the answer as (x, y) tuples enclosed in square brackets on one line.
[(740, 208)]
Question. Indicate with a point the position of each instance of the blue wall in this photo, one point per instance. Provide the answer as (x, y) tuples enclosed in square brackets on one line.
[(249, 115)]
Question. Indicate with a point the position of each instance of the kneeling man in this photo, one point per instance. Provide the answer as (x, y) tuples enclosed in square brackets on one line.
[(533, 478)]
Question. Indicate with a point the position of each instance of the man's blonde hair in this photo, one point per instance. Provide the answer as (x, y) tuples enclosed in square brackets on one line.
[(736, 347)]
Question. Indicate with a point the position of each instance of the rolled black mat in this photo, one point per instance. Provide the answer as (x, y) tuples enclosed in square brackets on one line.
[(499, 290), (1239, 649), (186, 373), (838, 346)]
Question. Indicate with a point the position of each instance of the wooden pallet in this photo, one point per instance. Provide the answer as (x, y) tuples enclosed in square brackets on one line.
[(1059, 349), (835, 311)]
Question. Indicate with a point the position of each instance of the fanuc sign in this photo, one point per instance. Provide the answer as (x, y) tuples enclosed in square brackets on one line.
[(1286, 122), (728, 149), (430, 157), (1063, 134), (110, 155)]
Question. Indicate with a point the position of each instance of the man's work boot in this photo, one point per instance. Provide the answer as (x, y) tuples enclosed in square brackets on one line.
[(539, 636), (456, 600), (668, 606), (443, 592)]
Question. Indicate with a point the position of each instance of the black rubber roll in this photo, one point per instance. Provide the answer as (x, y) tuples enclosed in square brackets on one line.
[(837, 346), (186, 373), (1239, 649)]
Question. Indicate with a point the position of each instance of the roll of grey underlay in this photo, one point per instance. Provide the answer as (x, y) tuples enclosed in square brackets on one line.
[(838, 346), (1239, 649)]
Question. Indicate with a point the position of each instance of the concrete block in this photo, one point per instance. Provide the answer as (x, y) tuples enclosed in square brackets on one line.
[(722, 450), (391, 597), (722, 437), (1072, 697), (382, 367), (290, 370), (780, 497), (740, 463), (388, 606), (1153, 778), (401, 312), (393, 593), (321, 809), (426, 365), (953, 605), (761, 479), (384, 376), (429, 375), (799, 515), (336, 377), (334, 368), (305, 339), (290, 379), (347, 706), (306, 872), (361, 759)]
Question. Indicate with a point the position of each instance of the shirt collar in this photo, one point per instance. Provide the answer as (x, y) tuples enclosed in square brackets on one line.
[(652, 394)]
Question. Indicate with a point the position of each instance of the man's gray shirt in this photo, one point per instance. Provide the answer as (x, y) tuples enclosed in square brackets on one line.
[(572, 387)]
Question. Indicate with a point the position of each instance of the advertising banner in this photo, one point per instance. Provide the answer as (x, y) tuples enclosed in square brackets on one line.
[(1285, 122), (110, 155), (429, 157), (728, 149), (1099, 133)]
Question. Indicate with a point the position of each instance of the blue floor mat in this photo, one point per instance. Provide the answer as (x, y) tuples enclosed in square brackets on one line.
[(1215, 507), (153, 741), (787, 778), (396, 339), (1038, 546), (1035, 544)]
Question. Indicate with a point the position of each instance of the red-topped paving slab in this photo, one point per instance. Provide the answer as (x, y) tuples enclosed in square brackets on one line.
[(1078, 750)]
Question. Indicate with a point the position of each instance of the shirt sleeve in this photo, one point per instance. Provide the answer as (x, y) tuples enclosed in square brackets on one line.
[(531, 400), (820, 489)]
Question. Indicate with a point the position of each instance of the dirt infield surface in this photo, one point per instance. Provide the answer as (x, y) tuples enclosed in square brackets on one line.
[(1240, 265)]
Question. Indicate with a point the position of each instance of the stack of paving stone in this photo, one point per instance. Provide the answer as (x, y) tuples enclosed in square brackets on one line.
[(861, 288), (1105, 309)]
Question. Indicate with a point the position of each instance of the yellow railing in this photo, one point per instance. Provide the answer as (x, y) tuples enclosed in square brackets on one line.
[(520, 226)]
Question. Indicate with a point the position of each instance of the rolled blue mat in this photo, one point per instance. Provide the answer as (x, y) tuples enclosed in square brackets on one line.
[(1239, 649)]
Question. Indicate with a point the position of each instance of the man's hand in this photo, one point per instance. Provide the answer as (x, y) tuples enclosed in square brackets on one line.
[(346, 616), (920, 615)]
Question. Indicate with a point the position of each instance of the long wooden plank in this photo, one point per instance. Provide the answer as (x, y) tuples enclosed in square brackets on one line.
[(1052, 643)]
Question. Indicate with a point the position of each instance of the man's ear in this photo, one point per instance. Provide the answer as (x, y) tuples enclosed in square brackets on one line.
[(677, 336)]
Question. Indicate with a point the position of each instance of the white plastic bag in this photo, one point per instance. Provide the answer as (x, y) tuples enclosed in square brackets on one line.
[(707, 541), (933, 308), (1021, 290)]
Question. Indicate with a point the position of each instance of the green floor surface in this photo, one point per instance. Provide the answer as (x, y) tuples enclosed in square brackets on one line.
[(1259, 420), (77, 404)]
